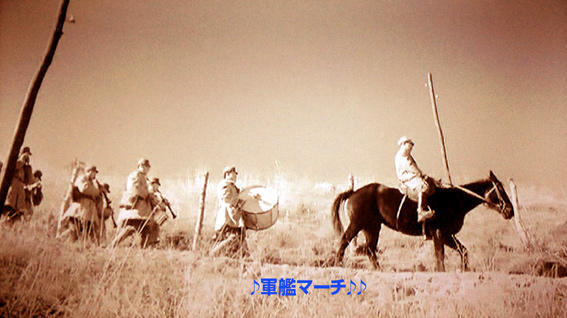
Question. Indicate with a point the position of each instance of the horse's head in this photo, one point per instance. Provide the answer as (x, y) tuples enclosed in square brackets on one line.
[(498, 199)]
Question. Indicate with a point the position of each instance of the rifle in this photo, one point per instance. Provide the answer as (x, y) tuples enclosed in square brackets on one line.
[(108, 202), (167, 205)]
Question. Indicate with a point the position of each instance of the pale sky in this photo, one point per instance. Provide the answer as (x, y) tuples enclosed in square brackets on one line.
[(325, 88)]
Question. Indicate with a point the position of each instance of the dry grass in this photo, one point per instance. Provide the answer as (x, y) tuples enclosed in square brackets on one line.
[(40, 276)]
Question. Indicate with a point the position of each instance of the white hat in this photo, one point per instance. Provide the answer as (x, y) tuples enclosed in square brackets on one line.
[(403, 140)]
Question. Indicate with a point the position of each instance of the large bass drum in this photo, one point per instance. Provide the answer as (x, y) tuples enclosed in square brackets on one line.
[(260, 207)]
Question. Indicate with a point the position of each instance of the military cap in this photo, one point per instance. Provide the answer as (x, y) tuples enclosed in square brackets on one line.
[(403, 140), (229, 169), (144, 162), (155, 180), (38, 174), (26, 150), (91, 168)]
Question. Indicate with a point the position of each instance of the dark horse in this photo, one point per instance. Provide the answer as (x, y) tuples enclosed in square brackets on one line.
[(375, 204)]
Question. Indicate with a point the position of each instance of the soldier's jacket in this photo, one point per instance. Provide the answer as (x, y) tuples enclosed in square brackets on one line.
[(37, 193), (135, 202), (155, 199), (16, 197), (136, 189), (87, 203), (228, 213), (412, 180), (406, 167)]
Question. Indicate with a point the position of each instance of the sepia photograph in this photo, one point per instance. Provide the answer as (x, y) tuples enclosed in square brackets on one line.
[(283, 158)]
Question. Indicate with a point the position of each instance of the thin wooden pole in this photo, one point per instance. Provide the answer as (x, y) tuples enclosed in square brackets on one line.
[(27, 108), (199, 223), (350, 182), (436, 117), (524, 236)]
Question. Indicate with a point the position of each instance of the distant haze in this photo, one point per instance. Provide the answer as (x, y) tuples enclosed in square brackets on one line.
[(323, 88)]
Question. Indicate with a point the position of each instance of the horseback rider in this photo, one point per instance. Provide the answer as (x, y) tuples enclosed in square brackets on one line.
[(229, 225), (412, 178)]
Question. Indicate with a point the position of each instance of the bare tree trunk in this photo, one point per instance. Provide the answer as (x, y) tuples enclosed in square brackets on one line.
[(27, 109), (524, 235), (199, 223), (436, 117)]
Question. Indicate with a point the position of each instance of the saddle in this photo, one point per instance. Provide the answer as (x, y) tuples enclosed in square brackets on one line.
[(413, 193)]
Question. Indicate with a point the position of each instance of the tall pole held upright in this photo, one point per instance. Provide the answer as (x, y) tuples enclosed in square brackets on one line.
[(436, 117)]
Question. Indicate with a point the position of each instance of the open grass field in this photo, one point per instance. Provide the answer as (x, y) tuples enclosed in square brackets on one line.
[(41, 276)]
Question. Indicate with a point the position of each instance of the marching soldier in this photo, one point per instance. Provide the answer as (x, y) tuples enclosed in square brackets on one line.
[(411, 178), (135, 208), (230, 231), (106, 212), (82, 217), (159, 203), (19, 199), (37, 193)]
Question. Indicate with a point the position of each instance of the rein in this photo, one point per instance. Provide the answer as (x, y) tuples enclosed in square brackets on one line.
[(483, 199)]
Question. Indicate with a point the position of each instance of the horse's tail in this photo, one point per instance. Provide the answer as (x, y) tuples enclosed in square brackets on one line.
[(337, 225)]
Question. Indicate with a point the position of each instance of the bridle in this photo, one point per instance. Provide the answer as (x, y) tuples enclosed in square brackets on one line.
[(500, 206)]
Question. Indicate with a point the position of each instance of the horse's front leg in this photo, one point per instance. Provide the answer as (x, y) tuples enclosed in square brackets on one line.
[(455, 244), (439, 246)]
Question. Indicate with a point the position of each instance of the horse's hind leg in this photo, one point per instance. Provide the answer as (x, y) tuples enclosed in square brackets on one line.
[(372, 237), (455, 244), (351, 231)]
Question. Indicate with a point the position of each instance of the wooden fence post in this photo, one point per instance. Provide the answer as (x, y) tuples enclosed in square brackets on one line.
[(350, 182), (524, 235), (27, 108), (439, 130), (199, 223)]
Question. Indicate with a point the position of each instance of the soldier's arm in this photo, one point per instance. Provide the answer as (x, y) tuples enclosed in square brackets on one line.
[(229, 195)]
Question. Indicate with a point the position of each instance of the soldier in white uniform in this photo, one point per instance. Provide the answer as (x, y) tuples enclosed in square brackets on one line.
[(230, 231), (411, 178), (82, 218), (135, 208)]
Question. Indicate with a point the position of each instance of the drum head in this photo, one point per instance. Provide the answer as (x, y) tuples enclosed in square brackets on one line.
[(260, 208)]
